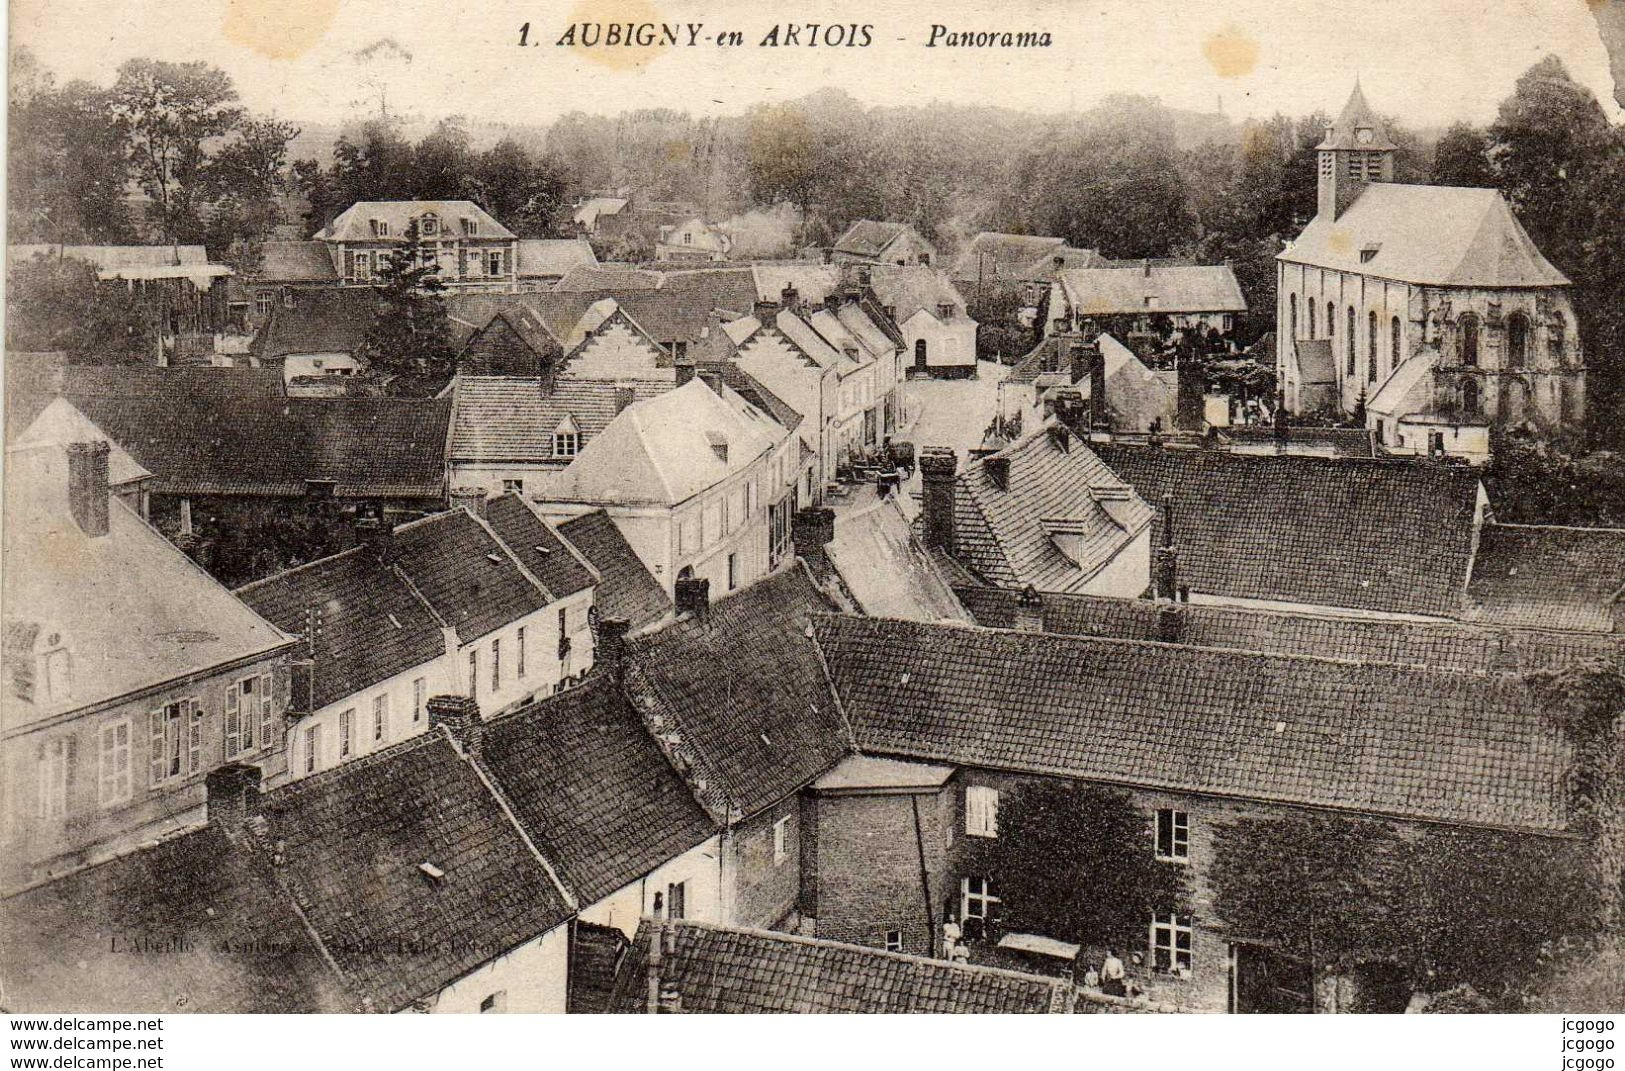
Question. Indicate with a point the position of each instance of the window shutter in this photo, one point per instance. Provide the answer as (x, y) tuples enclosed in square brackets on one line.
[(155, 724), (233, 721), (194, 737), (267, 711), (349, 265)]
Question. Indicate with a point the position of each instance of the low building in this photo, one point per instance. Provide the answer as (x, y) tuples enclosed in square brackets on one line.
[(1189, 296), (873, 242), (284, 266), (473, 250), (1062, 367), (130, 673), (693, 240), (544, 261), (939, 336), (627, 591), (314, 336)]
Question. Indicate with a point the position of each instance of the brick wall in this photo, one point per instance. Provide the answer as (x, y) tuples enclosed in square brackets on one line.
[(765, 891)]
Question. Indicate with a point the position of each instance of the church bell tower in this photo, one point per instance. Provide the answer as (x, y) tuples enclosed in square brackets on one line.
[(1355, 152)]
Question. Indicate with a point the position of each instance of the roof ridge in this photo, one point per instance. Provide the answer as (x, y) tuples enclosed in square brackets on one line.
[(264, 581), (507, 550)]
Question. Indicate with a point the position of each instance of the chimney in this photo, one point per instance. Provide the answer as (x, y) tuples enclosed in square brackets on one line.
[(1099, 416), (1061, 437), (685, 372), (790, 297), (232, 795), (811, 530), (766, 311), (692, 595), (938, 467), (1188, 404), (1029, 610), (1282, 427), (469, 498), (1167, 559), (865, 275), (664, 997), (87, 486), (1170, 622), (997, 467), (373, 529), (1060, 262), (460, 714), (611, 653)]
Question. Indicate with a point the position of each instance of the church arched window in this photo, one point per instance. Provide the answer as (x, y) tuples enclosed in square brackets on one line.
[(1311, 319), (1395, 344), (1517, 340), (1469, 339), (1557, 340), (1371, 346), (1351, 341), (1469, 396), (1292, 315)]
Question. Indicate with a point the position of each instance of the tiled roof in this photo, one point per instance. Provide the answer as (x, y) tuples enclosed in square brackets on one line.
[(1054, 498), (552, 561), (910, 288), (512, 418), (1393, 536), (1045, 269), (70, 945), (295, 262), (1170, 288), (753, 391), (1414, 743), (146, 381), (1315, 361), (352, 841), (868, 237), (593, 277), (742, 686), (60, 424), (722, 970), (543, 348), (1341, 442), (328, 320), (467, 575), (1549, 577), (237, 445), (595, 956), (543, 257), (1429, 235), (991, 255), (626, 588), (353, 224), (1440, 644), (373, 625), (592, 789)]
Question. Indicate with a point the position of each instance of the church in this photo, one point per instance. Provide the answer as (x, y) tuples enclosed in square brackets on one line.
[(1428, 308)]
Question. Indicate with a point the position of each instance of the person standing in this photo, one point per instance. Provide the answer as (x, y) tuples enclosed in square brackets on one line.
[(1111, 975)]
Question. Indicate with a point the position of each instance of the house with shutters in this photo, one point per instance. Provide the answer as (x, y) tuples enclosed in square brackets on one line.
[(1430, 304), (473, 250), (130, 674), (485, 601)]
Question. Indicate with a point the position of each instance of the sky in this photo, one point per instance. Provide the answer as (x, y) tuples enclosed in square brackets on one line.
[(1426, 62)]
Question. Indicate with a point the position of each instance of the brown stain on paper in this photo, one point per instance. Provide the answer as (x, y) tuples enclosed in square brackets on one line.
[(607, 13), (1340, 240), (280, 29), (1230, 52)]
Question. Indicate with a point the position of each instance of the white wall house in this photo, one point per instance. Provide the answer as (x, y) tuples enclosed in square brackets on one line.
[(531, 978), (938, 331), (695, 876)]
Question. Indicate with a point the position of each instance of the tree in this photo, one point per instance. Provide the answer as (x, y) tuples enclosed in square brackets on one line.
[(1461, 157), (1072, 861), (55, 303), (410, 336), (172, 111), (1535, 481)]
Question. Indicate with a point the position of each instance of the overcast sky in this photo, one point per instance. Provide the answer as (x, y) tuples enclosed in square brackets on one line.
[(1426, 61)]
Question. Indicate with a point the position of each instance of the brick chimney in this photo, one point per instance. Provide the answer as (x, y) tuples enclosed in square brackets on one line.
[(766, 311), (939, 466), (460, 714), (997, 467), (87, 486), (1029, 610), (685, 370), (790, 297), (1166, 556), (232, 795), (1170, 622), (611, 653), (1099, 415), (469, 498), (693, 595), (373, 529)]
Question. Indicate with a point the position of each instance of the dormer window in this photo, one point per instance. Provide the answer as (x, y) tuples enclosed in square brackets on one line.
[(719, 445), (945, 311), (429, 225), (1368, 251), (380, 228), (471, 227), (566, 439)]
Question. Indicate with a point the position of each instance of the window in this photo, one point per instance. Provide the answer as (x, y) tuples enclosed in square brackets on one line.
[(513, 487), (781, 837), (1351, 340), (493, 261), (267, 698), (1311, 319), (976, 898), (566, 443), (420, 689), (176, 736), (981, 811), (473, 673), (519, 653), (1396, 344), (55, 772), (1331, 322), (113, 785), (688, 237), (1557, 336), (676, 900), (361, 268), (313, 743), (242, 711), (346, 733), (497, 1002), (471, 227), (1371, 347), (1171, 943), (733, 570), (1292, 315), (1173, 834), (263, 301), (894, 940), (380, 719), (564, 632), (430, 224), (1469, 339), (1517, 340), (380, 228), (1469, 397), (496, 665)]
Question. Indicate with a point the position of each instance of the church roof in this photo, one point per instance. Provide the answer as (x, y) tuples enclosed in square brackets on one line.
[(1428, 235), (1357, 114)]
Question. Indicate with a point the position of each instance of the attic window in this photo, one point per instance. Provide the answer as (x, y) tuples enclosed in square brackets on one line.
[(1150, 301), (566, 439), (432, 872), (380, 228), (430, 224), (719, 445), (543, 551), (471, 227), (1368, 251)]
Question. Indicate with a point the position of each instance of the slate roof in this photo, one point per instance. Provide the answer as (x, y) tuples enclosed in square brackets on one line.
[(868, 237), (295, 262), (555, 563), (626, 588), (512, 418), (465, 573), (595, 956), (743, 688), (545, 257), (1173, 288), (1549, 577), (594, 277), (373, 625), (1385, 739), (1343, 442), (351, 841), (1393, 536), (353, 224), (1054, 497), (1315, 361), (1428, 235), (1356, 113), (592, 789), (1439, 644), (544, 347), (991, 255), (236, 445), (67, 946), (723, 970), (327, 320), (886, 569)]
